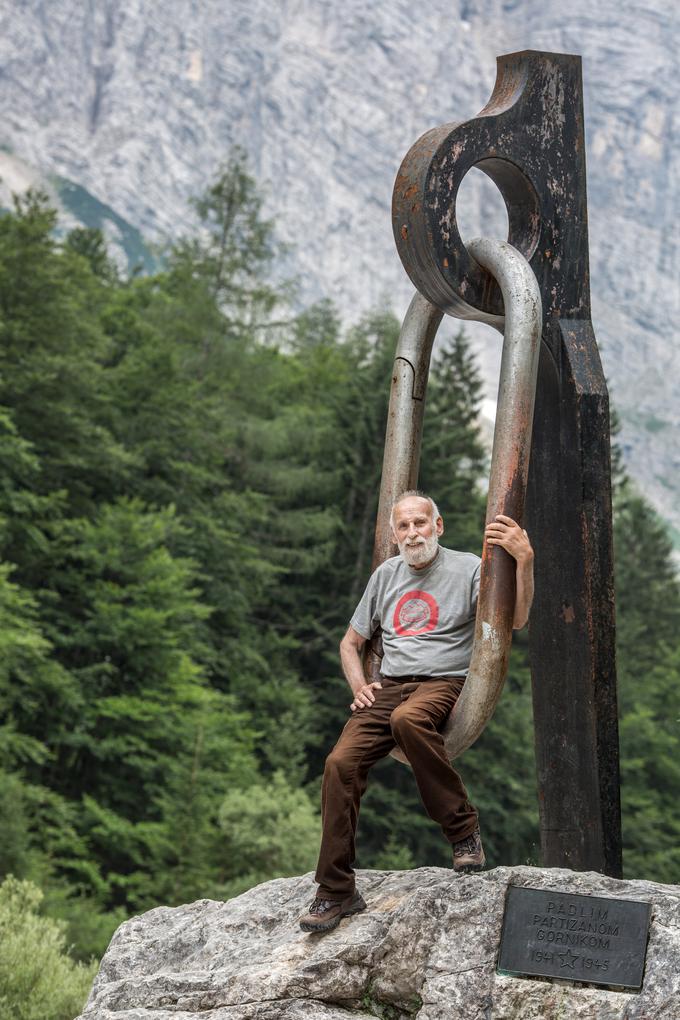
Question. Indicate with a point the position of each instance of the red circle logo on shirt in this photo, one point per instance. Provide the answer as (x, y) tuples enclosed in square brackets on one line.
[(416, 612)]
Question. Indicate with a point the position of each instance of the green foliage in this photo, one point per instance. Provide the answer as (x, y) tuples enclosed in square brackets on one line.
[(270, 830), (648, 596), (227, 263), (393, 856), (14, 834), (500, 770), (34, 689), (91, 244), (189, 477), (265, 461), (648, 650), (88, 925), (38, 981), (52, 350)]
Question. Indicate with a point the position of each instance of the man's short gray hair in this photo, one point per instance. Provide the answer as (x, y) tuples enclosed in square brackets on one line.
[(408, 494)]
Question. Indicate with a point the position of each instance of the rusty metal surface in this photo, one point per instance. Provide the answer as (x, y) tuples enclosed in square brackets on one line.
[(401, 458), (509, 466), (529, 139), (507, 487)]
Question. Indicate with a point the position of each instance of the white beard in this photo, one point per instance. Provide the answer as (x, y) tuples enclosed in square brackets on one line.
[(420, 551)]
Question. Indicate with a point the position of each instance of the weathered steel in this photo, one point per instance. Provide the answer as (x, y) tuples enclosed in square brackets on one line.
[(529, 139), (509, 467), (507, 487), (401, 458)]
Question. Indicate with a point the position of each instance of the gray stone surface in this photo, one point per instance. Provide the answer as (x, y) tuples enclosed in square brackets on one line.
[(425, 947), (138, 103)]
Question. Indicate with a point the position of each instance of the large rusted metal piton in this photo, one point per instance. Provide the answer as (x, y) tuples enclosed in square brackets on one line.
[(529, 140)]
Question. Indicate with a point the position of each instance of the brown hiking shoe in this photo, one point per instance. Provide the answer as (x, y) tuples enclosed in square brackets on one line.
[(324, 915), (468, 853)]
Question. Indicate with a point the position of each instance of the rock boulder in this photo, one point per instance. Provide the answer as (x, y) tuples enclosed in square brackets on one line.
[(426, 947)]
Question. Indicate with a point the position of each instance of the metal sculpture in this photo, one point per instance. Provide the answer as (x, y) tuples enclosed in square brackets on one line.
[(529, 140), (509, 467)]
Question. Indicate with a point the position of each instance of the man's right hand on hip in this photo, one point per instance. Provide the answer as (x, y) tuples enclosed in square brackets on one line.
[(364, 696)]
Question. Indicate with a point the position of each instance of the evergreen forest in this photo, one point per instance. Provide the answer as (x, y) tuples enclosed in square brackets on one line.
[(188, 486)]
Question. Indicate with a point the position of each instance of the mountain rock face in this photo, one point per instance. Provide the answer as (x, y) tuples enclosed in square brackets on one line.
[(426, 947), (131, 107)]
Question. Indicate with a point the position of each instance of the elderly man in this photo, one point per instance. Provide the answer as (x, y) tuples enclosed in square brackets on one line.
[(424, 600)]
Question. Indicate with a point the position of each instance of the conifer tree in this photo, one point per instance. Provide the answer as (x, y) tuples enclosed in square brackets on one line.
[(648, 669), (189, 478)]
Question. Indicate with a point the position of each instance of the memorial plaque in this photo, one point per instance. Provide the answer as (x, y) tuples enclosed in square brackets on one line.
[(578, 938)]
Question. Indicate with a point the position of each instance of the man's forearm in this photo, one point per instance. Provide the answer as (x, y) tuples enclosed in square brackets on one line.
[(525, 591), (506, 533), (350, 659)]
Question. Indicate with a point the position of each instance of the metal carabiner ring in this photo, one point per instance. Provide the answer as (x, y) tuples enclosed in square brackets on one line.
[(509, 467)]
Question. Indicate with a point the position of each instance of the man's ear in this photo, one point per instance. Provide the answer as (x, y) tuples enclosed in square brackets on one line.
[(439, 526)]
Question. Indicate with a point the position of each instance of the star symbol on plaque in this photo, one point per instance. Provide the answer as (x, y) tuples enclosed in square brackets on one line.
[(568, 959)]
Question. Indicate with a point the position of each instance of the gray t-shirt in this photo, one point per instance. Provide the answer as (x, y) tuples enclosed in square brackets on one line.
[(427, 616)]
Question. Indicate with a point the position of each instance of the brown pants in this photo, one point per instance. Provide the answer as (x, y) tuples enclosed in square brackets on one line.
[(408, 711)]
